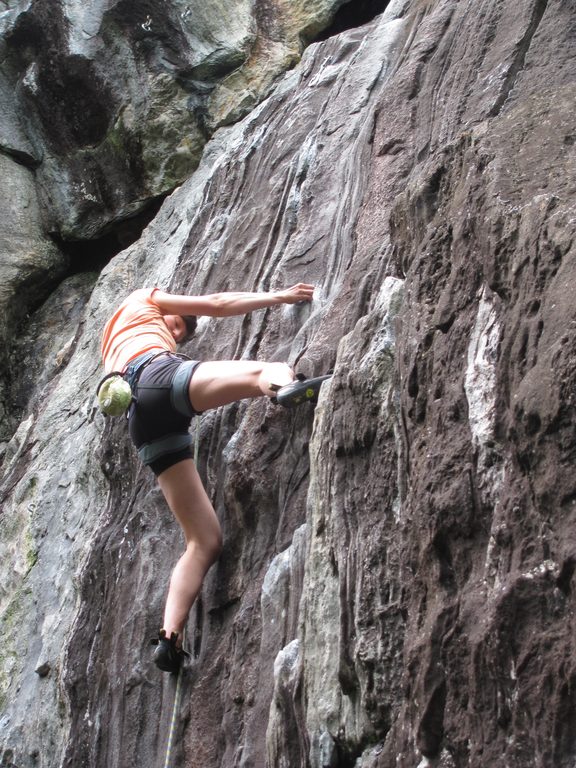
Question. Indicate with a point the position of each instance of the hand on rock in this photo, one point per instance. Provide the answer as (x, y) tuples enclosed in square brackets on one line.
[(297, 293)]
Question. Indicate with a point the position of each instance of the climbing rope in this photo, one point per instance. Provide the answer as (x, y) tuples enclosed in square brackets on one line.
[(170, 744), (173, 721), (197, 441)]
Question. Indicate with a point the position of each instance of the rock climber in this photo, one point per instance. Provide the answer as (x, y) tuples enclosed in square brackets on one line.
[(140, 341)]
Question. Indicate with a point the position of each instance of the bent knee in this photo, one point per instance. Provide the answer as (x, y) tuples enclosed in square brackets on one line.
[(274, 375), (216, 545), (209, 545)]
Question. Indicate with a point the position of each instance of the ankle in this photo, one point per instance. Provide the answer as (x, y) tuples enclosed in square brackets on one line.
[(274, 376), (172, 636)]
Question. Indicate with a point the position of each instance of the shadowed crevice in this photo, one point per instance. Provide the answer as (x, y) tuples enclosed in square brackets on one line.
[(93, 255), (520, 57), (354, 13)]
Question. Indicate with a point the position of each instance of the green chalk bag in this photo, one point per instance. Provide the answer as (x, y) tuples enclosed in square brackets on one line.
[(114, 395)]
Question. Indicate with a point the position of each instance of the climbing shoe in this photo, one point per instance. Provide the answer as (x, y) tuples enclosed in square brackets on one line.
[(300, 391), (168, 656)]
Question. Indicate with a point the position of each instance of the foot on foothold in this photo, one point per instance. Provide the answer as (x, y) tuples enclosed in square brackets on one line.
[(300, 391), (276, 387), (168, 656)]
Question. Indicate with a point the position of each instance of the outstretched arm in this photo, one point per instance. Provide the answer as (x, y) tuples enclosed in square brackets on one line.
[(230, 303)]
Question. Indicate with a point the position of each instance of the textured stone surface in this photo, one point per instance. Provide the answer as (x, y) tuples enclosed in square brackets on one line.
[(396, 586), (350, 616), (30, 264), (113, 101)]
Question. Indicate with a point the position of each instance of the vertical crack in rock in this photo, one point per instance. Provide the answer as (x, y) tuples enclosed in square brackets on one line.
[(517, 63)]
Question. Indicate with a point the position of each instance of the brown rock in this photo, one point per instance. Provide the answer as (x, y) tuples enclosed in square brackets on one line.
[(419, 171)]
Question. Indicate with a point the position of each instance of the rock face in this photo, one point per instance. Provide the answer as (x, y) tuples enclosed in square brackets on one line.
[(396, 586), (105, 107), (30, 264), (118, 98)]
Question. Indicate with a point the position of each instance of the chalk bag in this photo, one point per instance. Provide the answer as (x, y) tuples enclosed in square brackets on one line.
[(114, 395)]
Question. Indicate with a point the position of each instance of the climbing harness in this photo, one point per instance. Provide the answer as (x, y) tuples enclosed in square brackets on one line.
[(115, 392)]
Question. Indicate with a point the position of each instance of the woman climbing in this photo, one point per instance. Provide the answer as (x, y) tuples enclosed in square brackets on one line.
[(140, 341)]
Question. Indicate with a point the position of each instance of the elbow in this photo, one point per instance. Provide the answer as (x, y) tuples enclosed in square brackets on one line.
[(219, 306)]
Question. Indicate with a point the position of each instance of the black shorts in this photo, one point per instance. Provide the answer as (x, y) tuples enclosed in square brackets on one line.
[(160, 417)]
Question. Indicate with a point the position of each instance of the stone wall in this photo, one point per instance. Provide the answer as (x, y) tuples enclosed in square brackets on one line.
[(396, 582)]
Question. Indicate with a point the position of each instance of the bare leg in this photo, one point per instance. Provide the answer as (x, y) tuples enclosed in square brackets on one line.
[(186, 497), (213, 384), (225, 381)]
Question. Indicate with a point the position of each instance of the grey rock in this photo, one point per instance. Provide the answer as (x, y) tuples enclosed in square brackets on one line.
[(114, 101), (13, 138), (44, 348), (30, 265), (346, 565), (419, 171)]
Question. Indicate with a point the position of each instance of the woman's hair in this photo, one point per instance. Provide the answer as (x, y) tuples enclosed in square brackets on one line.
[(191, 322)]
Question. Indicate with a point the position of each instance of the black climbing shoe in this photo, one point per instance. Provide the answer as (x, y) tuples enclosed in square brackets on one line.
[(168, 656), (300, 391)]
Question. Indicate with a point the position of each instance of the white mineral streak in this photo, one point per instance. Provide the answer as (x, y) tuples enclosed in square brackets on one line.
[(480, 379), (481, 387), (388, 302), (287, 659), (275, 598), (287, 673)]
